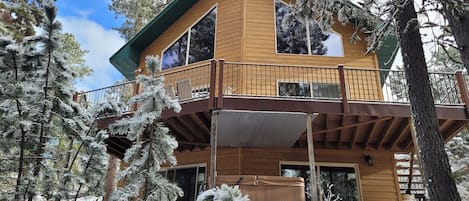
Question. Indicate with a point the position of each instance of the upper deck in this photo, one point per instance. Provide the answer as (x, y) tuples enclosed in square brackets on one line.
[(358, 108)]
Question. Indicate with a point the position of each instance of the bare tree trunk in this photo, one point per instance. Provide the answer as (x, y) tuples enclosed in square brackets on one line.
[(110, 176), (435, 165), (458, 20)]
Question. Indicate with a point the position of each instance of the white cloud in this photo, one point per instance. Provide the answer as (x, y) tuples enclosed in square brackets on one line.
[(101, 44)]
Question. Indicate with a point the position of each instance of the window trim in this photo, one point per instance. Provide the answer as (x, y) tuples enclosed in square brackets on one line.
[(308, 45), (188, 31), (330, 164)]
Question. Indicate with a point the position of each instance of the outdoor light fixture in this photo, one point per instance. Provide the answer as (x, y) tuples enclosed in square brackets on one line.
[(369, 160)]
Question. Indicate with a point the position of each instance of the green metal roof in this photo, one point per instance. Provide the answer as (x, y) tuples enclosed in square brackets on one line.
[(126, 59)]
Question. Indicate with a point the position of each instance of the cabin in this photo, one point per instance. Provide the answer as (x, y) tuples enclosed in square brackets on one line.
[(282, 109)]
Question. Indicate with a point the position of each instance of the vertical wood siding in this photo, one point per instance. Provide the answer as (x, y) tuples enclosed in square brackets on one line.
[(378, 182)]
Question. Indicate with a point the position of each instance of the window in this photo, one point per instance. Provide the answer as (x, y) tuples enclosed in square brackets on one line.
[(318, 90), (292, 36), (190, 179), (294, 89), (344, 178), (326, 90), (199, 39)]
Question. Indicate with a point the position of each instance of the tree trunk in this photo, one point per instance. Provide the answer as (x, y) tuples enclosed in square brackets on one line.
[(110, 176), (435, 165), (458, 20)]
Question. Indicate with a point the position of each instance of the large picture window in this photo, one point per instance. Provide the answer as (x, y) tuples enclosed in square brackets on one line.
[(197, 44), (343, 177), (190, 179), (292, 36)]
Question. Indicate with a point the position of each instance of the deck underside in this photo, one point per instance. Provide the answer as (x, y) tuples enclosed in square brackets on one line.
[(368, 126)]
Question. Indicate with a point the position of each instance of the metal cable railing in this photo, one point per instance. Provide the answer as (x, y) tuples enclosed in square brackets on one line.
[(285, 81)]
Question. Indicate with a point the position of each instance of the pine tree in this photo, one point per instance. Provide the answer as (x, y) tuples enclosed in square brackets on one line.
[(136, 13), (435, 165), (457, 14), (152, 143), (39, 121)]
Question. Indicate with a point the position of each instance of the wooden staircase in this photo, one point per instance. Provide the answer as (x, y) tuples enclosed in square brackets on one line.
[(409, 175)]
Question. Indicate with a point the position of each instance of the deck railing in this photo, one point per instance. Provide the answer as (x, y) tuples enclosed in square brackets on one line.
[(120, 92), (337, 83)]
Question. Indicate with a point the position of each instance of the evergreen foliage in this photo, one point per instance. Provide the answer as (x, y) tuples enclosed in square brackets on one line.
[(136, 14), (223, 193), (380, 19), (41, 126), (152, 143)]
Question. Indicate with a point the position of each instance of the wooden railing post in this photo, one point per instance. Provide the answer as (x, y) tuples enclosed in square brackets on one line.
[(213, 75), (220, 84), (463, 90), (343, 89), (136, 92), (75, 97)]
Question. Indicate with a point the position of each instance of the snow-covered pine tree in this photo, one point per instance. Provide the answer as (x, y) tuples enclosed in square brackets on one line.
[(136, 14), (400, 18), (38, 115), (152, 143)]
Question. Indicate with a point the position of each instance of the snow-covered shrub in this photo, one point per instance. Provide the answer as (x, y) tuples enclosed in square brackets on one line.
[(223, 193), (328, 195)]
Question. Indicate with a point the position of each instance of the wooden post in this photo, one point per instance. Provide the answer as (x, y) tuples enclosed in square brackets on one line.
[(463, 90), (110, 177), (213, 75), (220, 84), (413, 133), (312, 162), (136, 92), (213, 149), (75, 97), (343, 89)]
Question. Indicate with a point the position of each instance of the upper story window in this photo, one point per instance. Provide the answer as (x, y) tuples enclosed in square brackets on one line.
[(293, 38), (196, 44)]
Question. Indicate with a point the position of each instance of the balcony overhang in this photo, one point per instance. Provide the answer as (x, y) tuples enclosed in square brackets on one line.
[(248, 128), (256, 122)]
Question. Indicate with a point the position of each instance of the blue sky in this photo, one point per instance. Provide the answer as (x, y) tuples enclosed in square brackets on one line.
[(91, 22)]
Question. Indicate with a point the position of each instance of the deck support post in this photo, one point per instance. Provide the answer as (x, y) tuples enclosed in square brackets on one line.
[(213, 149), (413, 133), (312, 162), (462, 85)]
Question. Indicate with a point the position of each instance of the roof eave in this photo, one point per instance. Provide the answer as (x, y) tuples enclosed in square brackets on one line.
[(127, 58)]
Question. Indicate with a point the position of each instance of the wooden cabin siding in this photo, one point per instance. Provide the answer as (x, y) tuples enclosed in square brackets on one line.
[(259, 46), (260, 42), (378, 182), (227, 32)]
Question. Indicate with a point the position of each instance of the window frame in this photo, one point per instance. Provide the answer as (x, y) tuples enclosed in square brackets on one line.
[(299, 82), (328, 83), (196, 165), (329, 164), (188, 31), (308, 35)]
